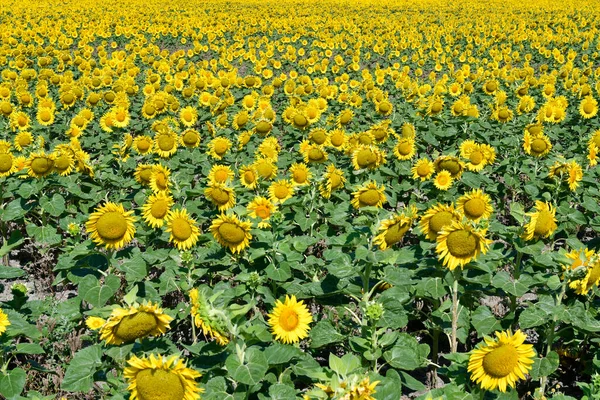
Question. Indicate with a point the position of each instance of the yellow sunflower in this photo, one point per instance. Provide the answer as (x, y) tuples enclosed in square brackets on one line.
[(190, 138), (232, 233), (313, 153), (265, 168), (23, 140), (443, 180), (248, 176), (542, 223), (338, 139), (159, 179), (165, 143), (125, 325), (205, 317), (261, 208), (436, 218), (40, 164), (220, 195), (333, 179), (220, 174), (301, 174), (159, 377), (588, 107), (459, 243), (475, 205), (365, 156), (218, 147), (290, 320), (392, 230), (143, 144), (8, 164), (95, 323), (280, 191), (188, 116), (63, 162), (589, 260), (423, 169), (143, 173), (156, 209), (537, 146), (183, 229), (369, 195), (111, 226), (405, 149), (451, 164), (501, 362), (4, 322)]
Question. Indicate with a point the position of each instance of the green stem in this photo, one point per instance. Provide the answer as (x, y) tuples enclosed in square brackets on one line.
[(516, 276), (453, 337), (374, 347)]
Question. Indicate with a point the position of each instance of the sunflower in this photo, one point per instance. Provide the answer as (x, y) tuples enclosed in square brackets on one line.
[(143, 144), (95, 323), (408, 131), (121, 117), (313, 152), (165, 143), (7, 164), (4, 322), (63, 162), (156, 209), (369, 195), (45, 116), (265, 168), (451, 164), (344, 118), (40, 164), (212, 321), (159, 377), (261, 208), (290, 320), (128, 324), (392, 230), (588, 107), (280, 191), (143, 173), (220, 195), (338, 139), (188, 116), (591, 262), (232, 233), (501, 362), (190, 138), (575, 175), (159, 179), (218, 147), (475, 205), (220, 174), (23, 140), (333, 179), (367, 156), (443, 180), (459, 243), (248, 176), (538, 145), (110, 225), (423, 169), (405, 149), (542, 222), (183, 229), (436, 218)]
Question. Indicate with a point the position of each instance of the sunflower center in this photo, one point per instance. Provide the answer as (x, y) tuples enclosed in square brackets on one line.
[(221, 176), (384, 107), (423, 170), (136, 326), (220, 196), (538, 146), (149, 109), (143, 145), (190, 138), (588, 108), (281, 191), (451, 166), (263, 212), (299, 176), (6, 162), (365, 139), (461, 243), (220, 147), (436, 107), (158, 384), (315, 154), (146, 174), (440, 220), (476, 157), (181, 229), (404, 149), (243, 119), (366, 157), (345, 118), (62, 163), (159, 208), (319, 137), (543, 223), (300, 120), (395, 233), (161, 181), (369, 197), (262, 126), (503, 114), (41, 165), (335, 181), (288, 320), (166, 142), (597, 140), (232, 233), (112, 225), (249, 176), (337, 139), (594, 275), (501, 361), (24, 140), (474, 208)]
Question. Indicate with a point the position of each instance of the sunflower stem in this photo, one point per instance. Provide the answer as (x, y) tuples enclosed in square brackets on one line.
[(516, 275), (453, 338)]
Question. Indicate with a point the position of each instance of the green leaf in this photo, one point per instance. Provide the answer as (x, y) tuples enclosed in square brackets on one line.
[(96, 293), (324, 333), (12, 384), (406, 354), (280, 391), (46, 234), (532, 316), (544, 366), (345, 365), (29, 348), (54, 206), (249, 370), (10, 272), (484, 321), (279, 353), (135, 268), (504, 281), (80, 372)]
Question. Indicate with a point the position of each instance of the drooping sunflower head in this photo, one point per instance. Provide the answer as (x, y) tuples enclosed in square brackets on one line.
[(232, 233), (451, 164), (156, 209), (501, 362), (542, 223), (183, 229), (212, 320), (158, 377), (333, 179), (460, 243), (391, 231), (369, 195), (111, 226), (125, 325), (475, 205), (290, 320), (63, 162)]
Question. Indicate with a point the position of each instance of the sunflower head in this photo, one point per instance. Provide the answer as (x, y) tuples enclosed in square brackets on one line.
[(128, 324), (232, 233), (290, 320), (542, 223), (475, 205), (369, 195), (111, 226), (212, 320), (183, 229), (459, 243)]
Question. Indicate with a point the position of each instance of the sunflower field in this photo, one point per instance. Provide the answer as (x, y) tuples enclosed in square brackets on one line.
[(251, 200)]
